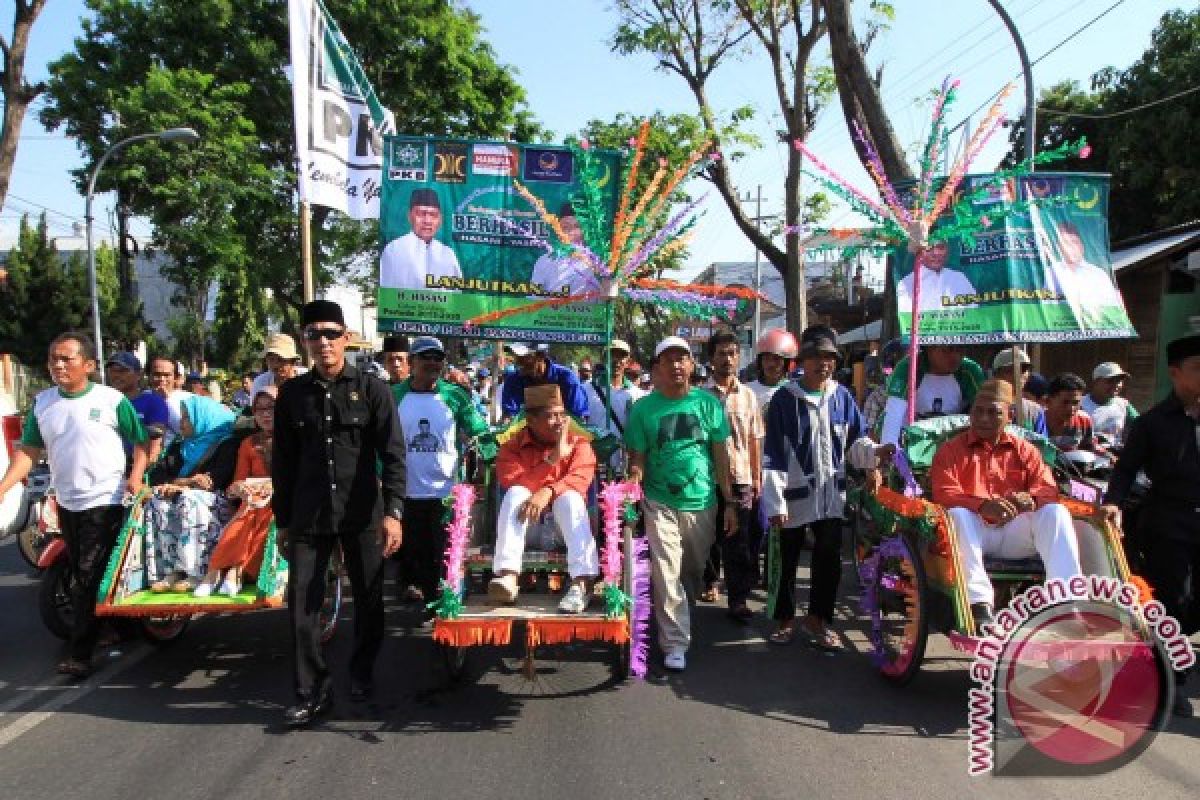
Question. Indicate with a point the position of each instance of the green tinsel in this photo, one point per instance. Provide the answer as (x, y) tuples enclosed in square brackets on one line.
[(616, 602), (631, 512), (591, 211), (449, 604), (887, 521)]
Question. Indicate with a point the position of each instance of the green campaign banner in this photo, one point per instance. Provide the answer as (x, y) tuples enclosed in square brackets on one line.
[(1039, 275), (459, 241)]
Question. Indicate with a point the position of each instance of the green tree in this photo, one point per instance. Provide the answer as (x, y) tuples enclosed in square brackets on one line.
[(219, 66), (42, 295), (1140, 125)]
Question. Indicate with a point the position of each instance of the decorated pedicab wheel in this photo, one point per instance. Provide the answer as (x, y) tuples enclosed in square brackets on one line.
[(896, 601), (54, 599), (333, 597), (31, 542), (454, 659), (860, 545), (164, 630)]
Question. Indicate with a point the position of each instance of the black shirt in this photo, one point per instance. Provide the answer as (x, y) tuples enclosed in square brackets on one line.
[(328, 437), (1163, 442)]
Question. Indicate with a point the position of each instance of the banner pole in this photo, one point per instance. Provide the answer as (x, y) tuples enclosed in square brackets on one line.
[(306, 251), (1018, 399), (914, 326)]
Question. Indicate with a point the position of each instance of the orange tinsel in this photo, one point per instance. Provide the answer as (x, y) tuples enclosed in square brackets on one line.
[(1145, 593), (621, 236), (563, 631), (639, 147), (529, 308), (744, 292), (471, 632)]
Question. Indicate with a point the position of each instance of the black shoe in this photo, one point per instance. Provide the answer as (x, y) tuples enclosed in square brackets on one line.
[(1182, 707), (982, 613), (361, 690), (303, 713), (742, 614)]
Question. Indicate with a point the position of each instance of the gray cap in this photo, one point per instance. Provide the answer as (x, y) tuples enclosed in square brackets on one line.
[(426, 344)]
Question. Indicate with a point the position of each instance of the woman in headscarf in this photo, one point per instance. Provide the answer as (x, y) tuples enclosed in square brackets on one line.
[(239, 550), (182, 517)]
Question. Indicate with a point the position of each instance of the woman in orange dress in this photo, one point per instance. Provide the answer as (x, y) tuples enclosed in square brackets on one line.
[(240, 549)]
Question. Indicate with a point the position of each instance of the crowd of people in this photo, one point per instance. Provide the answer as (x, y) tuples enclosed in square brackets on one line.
[(363, 458)]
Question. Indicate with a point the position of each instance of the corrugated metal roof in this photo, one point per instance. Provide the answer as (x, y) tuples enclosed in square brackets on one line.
[(1129, 256)]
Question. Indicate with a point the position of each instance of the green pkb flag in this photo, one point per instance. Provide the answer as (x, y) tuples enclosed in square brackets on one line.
[(1043, 275), (458, 240)]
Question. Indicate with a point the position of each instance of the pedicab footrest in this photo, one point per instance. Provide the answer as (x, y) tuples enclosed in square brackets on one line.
[(1024, 566), (480, 560)]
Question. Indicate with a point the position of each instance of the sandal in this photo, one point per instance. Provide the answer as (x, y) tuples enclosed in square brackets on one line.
[(184, 586), (709, 595), (783, 636), (825, 640)]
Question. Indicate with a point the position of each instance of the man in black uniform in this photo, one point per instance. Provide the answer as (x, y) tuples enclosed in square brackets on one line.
[(331, 424), (1165, 442)]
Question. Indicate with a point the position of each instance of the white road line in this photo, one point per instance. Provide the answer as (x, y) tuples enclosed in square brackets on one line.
[(26, 722)]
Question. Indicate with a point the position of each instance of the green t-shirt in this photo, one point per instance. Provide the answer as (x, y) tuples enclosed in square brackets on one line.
[(676, 437)]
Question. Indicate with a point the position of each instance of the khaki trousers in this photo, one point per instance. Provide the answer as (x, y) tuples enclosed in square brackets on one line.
[(679, 543)]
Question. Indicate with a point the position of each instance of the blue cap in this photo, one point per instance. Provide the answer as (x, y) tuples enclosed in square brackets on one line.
[(195, 376), (425, 344), (484, 372), (125, 359)]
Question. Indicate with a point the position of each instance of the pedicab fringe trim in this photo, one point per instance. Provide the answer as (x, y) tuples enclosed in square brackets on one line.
[(887, 506), (639, 633), (563, 631), (472, 632)]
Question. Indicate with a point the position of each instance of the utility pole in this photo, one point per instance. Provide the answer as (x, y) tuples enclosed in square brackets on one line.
[(758, 218)]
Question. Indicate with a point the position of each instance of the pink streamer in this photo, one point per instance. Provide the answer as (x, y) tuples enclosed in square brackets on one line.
[(883, 212), (613, 497), (880, 175), (458, 534)]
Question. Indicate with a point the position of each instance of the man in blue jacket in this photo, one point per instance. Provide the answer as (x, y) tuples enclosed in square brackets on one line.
[(535, 367)]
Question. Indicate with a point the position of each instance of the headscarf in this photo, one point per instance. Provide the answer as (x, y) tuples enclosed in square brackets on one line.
[(212, 423), (264, 442)]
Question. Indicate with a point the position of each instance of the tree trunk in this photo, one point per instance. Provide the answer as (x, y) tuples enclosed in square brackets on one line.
[(794, 284), (859, 94), (17, 93)]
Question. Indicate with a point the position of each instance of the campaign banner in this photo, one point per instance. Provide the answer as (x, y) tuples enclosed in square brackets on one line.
[(459, 241), (1033, 274), (339, 120)]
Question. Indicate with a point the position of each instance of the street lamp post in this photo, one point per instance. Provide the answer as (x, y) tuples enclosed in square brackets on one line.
[(169, 135)]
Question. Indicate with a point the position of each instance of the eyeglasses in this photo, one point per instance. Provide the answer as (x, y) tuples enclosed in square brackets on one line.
[(265, 410), (433, 356), (162, 374), (314, 334)]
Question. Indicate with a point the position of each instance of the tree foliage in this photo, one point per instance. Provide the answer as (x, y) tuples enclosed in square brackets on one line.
[(1149, 149), (225, 208), (18, 92)]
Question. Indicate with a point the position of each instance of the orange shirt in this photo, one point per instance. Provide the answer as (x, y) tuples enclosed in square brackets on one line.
[(968, 471), (250, 463), (522, 462)]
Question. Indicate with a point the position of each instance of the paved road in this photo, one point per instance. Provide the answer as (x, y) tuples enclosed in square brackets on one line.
[(200, 720)]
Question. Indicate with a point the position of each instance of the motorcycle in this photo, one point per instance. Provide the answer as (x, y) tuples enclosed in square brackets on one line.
[(40, 515)]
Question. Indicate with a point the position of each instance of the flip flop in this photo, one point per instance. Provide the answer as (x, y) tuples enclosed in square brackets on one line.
[(827, 641), (710, 595), (782, 637)]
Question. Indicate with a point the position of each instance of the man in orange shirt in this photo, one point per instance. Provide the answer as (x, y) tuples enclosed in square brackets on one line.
[(545, 466), (1002, 499)]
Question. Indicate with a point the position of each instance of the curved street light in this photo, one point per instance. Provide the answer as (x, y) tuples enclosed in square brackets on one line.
[(169, 135)]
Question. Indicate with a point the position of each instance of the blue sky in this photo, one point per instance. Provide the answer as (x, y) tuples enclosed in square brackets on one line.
[(560, 49)]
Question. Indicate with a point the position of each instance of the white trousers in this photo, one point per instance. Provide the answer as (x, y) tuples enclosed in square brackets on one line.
[(1047, 532), (570, 512)]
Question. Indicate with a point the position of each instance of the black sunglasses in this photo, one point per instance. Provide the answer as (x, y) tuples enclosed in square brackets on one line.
[(313, 334)]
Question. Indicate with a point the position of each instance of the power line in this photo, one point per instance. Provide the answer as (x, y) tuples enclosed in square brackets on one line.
[(1121, 113), (1037, 60)]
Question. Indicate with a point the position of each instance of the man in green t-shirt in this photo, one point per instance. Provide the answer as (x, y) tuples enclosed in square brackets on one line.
[(81, 427), (676, 438)]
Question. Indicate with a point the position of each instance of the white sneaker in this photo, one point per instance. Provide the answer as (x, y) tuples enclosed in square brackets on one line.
[(503, 589), (203, 590), (575, 601), (676, 660), (230, 588)]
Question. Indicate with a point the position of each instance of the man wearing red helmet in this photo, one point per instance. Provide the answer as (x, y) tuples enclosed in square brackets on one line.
[(774, 356)]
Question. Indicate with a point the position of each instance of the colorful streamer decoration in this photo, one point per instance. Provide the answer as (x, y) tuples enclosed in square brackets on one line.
[(614, 498), (622, 250), (449, 604)]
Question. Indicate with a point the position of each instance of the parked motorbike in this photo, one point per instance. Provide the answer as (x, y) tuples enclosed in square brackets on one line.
[(40, 515)]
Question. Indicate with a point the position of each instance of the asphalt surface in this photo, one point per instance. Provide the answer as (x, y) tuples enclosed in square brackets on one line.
[(201, 719)]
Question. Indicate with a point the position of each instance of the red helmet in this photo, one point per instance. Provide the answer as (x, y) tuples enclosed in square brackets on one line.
[(777, 342)]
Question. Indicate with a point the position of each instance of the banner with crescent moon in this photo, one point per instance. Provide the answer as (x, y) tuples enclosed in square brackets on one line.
[(1039, 275), (457, 240)]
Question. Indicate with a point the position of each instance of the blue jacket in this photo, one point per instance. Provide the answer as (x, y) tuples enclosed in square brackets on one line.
[(804, 468), (512, 397)]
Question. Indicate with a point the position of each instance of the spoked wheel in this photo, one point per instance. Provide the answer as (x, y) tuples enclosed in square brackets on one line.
[(455, 661), (861, 525), (164, 630), (31, 541), (556, 670), (899, 617), (333, 597), (54, 599)]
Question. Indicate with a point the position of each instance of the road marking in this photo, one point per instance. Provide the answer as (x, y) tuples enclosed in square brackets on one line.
[(31, 719)]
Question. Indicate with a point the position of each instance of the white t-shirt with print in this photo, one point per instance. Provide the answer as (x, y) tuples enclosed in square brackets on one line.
[(1108, 418), (430, 437), (82, 436)]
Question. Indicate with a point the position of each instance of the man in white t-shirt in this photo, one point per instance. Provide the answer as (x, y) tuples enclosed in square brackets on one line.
[(408, 260), (282, 360), (936, 283), (82, 428), (434, 415), (1110, 412), (555, 274)]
